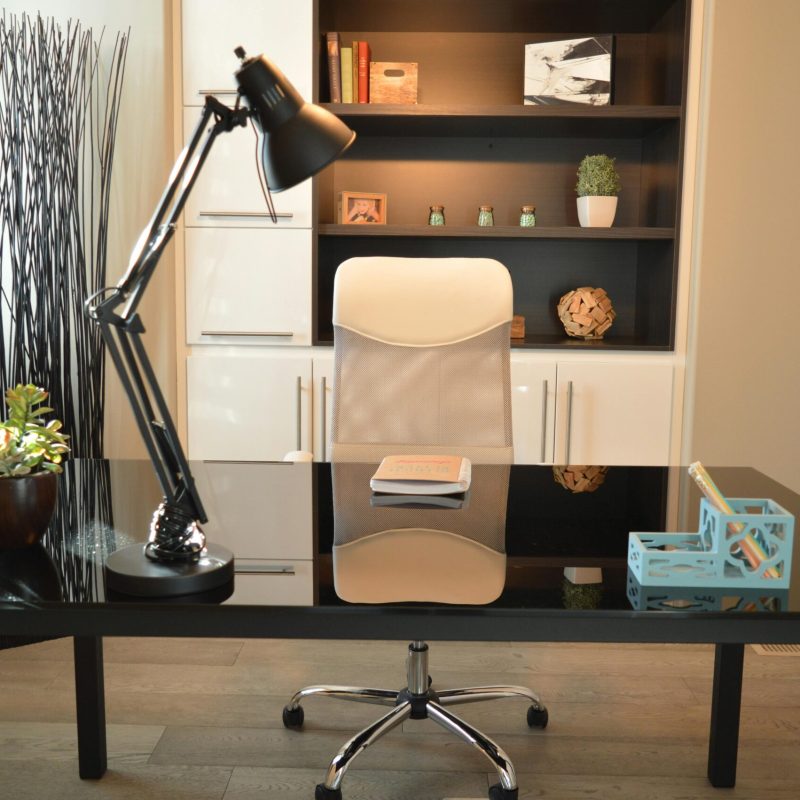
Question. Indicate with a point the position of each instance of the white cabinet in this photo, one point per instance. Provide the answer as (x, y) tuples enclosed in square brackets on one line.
[(211, 29), (591, 412), (248, 283), (248, 407), (533, 392), (613, 413), (228, 190), (259, 406)]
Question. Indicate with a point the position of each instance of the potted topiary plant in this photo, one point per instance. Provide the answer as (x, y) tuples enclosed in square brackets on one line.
[(597, 188), (30, 456)]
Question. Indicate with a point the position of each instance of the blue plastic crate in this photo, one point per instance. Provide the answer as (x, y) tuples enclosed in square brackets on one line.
[(714, 555)]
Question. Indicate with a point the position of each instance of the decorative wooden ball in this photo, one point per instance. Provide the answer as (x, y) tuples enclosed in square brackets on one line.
[(586, 312), (580, 478)]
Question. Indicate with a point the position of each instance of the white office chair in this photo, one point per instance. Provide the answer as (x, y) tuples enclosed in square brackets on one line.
[(422, 365)]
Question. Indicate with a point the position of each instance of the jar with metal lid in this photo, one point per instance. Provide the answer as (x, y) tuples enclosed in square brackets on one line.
[(527, 216), (436, 215), (485, 216)]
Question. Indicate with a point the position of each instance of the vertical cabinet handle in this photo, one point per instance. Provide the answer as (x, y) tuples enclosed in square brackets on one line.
[(569, 423), (299, 412), (324, 422), (544, 419)]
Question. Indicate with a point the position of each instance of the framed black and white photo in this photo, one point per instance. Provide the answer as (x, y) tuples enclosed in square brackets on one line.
[(569, 71)]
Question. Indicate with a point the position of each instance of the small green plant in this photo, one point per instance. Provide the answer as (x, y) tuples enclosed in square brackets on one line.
[(597, 176), (28, 445)]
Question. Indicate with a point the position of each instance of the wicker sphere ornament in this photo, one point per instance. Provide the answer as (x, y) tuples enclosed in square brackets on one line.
[(580, 478), (586, 312)]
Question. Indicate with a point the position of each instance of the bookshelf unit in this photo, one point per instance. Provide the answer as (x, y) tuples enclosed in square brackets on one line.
[(470, 141)]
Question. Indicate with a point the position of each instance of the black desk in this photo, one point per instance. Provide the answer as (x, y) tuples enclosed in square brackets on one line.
[(58, 590)]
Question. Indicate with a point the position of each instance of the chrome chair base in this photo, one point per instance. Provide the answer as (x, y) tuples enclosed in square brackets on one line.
[(417, 701)]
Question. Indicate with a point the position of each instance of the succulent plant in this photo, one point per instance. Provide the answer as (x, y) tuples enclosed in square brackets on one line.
[(597, 176), (28, 445)]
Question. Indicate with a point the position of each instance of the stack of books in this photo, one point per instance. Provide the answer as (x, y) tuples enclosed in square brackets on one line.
[(348, 70)]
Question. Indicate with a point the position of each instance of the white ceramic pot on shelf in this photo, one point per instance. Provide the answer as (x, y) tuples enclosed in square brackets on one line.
[(596, 211)]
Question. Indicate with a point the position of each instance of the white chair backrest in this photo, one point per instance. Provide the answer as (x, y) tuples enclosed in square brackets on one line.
[(422, 358)]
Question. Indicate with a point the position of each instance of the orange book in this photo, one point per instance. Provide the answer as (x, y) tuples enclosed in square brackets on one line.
[(363, 72), (422, 474)]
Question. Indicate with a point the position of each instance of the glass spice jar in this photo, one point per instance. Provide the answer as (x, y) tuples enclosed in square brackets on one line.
[(485, 216), (527, 216), (436, 215)]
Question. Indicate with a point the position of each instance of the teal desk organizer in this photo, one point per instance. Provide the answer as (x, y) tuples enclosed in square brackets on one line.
[(714, 557)]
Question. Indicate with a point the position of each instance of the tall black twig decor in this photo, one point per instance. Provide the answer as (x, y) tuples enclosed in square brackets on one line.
[(59, 108)]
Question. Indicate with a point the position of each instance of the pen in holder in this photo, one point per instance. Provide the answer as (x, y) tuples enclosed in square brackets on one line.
[(717, 555)]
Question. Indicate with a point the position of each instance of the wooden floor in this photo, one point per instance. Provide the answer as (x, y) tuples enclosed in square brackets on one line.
[(201, 719)]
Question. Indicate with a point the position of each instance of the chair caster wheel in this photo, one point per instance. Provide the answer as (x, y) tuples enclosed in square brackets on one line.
[(293, 717), (497, 792), (537, 717), (322, 792)]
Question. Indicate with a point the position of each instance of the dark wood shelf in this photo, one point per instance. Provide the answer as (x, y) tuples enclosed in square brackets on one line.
[(619, 121), (620, 343), (497, 232)]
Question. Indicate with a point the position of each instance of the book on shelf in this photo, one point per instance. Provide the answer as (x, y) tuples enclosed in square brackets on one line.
[(346, 58), (420, 501), (422, 475), (355, 72), (334, 66), (363, 72)]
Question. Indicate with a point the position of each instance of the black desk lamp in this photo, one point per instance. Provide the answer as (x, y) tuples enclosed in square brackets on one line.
[(299, 139)]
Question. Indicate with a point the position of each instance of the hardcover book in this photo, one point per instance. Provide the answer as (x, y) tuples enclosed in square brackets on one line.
[(363, 72), (422, 474), (346, 55), (334, 67)]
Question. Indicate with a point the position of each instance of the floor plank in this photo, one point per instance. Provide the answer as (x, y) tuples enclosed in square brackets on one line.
[(201, 719)]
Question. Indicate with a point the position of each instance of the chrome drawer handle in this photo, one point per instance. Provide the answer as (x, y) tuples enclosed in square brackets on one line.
[(569, 422), (264, 569), (248, 214), (324, 422), (217, 91), (299, 413), (246, 333), (544, 419)]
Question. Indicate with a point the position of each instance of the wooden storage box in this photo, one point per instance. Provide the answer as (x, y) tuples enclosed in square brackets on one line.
[(393, 82)]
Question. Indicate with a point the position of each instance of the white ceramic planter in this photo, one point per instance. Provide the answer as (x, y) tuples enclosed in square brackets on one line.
[(596, 212)]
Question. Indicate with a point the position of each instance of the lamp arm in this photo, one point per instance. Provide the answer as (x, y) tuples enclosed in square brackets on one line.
[(115, 311)]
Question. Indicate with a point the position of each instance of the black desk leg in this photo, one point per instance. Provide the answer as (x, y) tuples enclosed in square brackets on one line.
[(726, 704), (91, 706)]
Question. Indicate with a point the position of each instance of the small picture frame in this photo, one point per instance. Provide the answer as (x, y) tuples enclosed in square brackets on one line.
[(362, 208)]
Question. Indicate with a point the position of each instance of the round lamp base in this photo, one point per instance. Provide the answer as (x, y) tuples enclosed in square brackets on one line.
[(130, 572)]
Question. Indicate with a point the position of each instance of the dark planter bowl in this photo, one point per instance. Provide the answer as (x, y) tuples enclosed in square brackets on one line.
[(26, 505)]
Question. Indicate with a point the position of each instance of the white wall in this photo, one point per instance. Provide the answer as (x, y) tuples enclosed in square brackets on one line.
[(743, 387), (143, 159)]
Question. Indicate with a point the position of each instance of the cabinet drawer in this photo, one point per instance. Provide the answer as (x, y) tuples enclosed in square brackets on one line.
[(243, 408), (248, 286), (275, 583), (230, 490), (211, 29), (228, 189)]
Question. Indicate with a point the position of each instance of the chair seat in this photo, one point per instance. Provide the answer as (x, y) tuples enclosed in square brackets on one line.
[(418, 565)]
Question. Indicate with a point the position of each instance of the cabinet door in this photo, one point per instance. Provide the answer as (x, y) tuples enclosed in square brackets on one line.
[(533, 392), (613, 413), (211, 29), (323, 402), (248, 408), (250, 284), (228, 189)]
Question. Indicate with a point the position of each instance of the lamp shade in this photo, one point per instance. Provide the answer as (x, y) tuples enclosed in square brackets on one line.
[(299, 138)]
